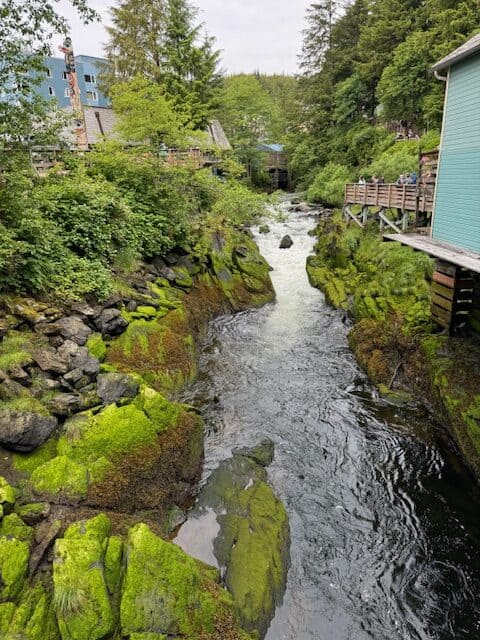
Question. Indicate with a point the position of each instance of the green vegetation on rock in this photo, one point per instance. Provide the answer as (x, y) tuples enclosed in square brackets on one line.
[(176, 596)]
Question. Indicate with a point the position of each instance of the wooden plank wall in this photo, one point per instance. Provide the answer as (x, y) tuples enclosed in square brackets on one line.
[(452, 295)]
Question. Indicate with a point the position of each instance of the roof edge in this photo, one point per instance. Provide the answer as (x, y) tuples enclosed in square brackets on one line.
[(469, 48)]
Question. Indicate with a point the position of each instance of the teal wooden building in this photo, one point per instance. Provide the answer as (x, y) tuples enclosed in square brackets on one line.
[(455, 233), (456, 216)]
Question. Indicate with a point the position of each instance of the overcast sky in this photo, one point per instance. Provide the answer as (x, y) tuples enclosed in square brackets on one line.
[(253, 34)]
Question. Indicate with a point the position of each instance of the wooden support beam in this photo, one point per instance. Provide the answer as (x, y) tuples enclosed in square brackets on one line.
[(349, 215), (388, 222)]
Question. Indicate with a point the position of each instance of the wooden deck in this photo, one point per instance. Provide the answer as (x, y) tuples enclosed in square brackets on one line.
[(438, 249), (408, 197)]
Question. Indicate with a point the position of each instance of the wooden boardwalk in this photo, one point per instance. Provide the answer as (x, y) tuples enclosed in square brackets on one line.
[(438, 249), (407, 197)]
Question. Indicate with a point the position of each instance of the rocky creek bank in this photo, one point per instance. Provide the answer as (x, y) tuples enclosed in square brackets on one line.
[(385, 289), (100, 459)]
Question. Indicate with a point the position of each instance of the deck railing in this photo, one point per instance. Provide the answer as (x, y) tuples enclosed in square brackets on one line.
[(407, 197)]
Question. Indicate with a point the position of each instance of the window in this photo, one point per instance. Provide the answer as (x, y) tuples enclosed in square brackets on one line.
[(64, 75), (49, 72), (51, 91), (90, 78), (66, 92), (92, 95)]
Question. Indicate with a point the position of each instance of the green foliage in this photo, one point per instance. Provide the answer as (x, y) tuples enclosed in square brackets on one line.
[(370, 65), (329, 185), (402, 157), (247, 111), (146, 114), (159, 41)]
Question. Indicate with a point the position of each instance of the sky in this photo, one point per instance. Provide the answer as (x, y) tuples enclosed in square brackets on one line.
[(253, 35)]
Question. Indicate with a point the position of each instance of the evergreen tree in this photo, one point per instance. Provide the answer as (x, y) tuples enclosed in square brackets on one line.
[(136, 40), (321, 16), (159, 40), (190, 70)]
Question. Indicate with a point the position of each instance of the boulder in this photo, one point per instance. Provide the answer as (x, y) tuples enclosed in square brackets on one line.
[(73, 328), (252, 543), (51, 361), (24, 430), (111, 387), (286, 242), (264, 229), (111, 322)]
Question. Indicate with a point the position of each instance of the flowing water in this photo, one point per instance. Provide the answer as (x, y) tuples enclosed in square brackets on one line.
[(384, 520)]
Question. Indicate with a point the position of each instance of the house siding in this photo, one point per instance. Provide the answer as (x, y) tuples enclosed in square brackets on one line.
[(457, 204)]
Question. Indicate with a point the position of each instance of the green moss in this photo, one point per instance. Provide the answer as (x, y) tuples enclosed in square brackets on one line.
[(14, 555), (12, 526), (108, 434), (97, 528), (28, 462), (175, 597), (97, 347), (32, 510), (183, 278), (61, 476), (16, 350), (7, 495), (7, 609), (34, 618), (113, 563), (81, 599), (147, 636)]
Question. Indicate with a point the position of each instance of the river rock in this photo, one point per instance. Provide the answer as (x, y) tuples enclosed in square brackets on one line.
[(264, 229), (111, 387), (286, 242), (111, 322), (24, 430)]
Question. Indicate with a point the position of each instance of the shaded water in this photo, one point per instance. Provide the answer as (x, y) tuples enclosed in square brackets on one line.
[(384, 520)]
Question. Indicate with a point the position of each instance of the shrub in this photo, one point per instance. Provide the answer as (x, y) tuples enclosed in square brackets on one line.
[(329, 185)]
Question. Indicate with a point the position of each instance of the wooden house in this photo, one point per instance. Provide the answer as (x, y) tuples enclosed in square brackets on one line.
[(455, 233), (275, 164)]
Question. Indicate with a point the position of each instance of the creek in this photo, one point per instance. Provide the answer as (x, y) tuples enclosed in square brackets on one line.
[(385, 534)]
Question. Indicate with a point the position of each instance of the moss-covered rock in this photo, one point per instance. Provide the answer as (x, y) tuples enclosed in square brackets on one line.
[(97, 347), (253, 542), (113, 563), (14, 555), (7, 495), (12, 526), (176, 596), (33, 618), (81, 599), (61, 477)]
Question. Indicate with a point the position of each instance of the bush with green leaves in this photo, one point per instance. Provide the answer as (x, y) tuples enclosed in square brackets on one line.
[(329, 185)]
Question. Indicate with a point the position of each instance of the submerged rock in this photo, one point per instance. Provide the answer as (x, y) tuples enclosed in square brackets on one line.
[(252, 545), (286, 242), (264, 229)]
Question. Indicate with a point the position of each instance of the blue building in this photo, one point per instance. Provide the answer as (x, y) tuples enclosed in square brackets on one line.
[(54, 85), (456, 216)]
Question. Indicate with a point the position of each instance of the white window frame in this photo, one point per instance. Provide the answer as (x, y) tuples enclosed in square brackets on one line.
[(51, 92), (66, 92), (92, 80), (92, 95), (49, 72)]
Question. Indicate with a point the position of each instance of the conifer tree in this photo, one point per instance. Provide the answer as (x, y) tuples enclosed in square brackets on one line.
[(161, 41)]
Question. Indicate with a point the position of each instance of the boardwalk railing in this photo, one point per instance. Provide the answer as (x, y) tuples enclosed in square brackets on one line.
[(407, 197)]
